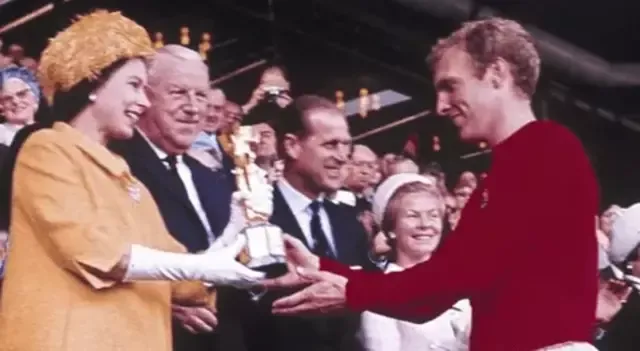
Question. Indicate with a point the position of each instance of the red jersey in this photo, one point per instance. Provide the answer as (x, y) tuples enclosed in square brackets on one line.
[(524, 251)]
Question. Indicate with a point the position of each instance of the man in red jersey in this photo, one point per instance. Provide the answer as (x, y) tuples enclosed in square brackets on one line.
[(532, 285)]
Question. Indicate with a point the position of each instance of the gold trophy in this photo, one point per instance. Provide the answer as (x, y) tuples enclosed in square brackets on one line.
[(265, 250)]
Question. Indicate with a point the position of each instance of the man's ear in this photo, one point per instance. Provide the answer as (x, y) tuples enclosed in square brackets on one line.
[(291, 146), (498, 73)]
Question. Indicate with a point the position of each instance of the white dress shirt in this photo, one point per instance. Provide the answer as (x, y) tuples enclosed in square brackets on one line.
[(8, 132), (449, 331), (300, 207), (187, 180)]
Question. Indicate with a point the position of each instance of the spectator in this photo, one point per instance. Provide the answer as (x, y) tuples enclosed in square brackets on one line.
[(29, 63), (19, 98), (404, 165), (362, 169), (266, 149), (16, 53), (207, 148), (410, 210)]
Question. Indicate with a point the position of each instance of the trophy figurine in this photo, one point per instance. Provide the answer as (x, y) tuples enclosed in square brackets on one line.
[(265, 246)]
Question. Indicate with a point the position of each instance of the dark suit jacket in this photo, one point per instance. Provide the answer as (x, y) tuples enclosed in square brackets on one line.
[(182, 221), (322, 333), (177, 211)]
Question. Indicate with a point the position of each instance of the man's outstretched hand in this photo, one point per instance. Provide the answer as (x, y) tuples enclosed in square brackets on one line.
[(298, 256), (323, 292)]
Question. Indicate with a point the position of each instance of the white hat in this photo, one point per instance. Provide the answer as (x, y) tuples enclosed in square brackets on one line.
[(389, 187), (625, 234)]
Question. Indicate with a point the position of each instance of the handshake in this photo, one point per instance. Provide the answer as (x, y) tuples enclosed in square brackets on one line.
[(321, 292)]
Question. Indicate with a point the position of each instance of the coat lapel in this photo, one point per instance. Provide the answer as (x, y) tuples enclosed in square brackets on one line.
[(148, 163), (214, 193), (337, 222), (283, 216)]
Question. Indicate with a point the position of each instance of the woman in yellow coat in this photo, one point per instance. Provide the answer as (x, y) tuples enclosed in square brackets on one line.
[(91, 266)]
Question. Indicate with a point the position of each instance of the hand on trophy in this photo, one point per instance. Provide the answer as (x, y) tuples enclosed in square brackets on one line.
[(222, 268), (298, 258)]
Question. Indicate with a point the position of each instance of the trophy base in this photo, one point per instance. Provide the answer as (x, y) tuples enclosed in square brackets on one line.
[(265, 250), (273, 270)]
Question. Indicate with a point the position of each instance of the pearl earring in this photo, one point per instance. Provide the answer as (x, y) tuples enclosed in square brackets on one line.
[(93, 97)]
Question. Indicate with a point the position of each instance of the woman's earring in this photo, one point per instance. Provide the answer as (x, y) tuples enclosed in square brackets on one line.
[(93, 97)]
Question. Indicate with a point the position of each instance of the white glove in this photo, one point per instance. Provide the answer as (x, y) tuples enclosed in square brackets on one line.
[(217, 266)]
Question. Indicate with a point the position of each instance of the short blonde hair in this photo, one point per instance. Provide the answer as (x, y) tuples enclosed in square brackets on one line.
[(489, 39), (393, 206)]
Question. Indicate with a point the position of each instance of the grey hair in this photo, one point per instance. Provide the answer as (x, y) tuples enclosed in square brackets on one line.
[(168, 57)]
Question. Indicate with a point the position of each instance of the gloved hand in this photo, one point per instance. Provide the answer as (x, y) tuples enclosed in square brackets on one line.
[(217, 266), (222, 268)]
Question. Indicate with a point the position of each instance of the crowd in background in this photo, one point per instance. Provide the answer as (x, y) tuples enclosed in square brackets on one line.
[(324, 190)]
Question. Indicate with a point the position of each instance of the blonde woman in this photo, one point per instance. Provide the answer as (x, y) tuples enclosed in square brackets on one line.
[(410, 211)]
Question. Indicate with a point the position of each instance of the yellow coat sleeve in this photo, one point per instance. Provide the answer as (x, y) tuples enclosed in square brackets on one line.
[(188, 293), (48, 185), (184, 293)]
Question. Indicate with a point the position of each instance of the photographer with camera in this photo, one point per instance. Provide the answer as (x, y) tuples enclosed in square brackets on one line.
[(273, 88)]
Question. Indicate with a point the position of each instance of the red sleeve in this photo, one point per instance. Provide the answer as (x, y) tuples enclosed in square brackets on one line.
[(488, 238), (336, 267)]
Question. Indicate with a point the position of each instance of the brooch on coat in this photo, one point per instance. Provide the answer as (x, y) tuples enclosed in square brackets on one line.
[(134, 192), (132, 186)]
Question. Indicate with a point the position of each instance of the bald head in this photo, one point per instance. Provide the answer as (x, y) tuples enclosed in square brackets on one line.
[(403, 166), (363, 152)]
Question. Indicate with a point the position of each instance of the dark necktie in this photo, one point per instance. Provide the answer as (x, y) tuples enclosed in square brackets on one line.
[(215, 153), (172, 161), (320, 243)]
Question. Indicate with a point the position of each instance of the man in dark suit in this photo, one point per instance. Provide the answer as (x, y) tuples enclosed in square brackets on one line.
[(314, 140), (193, 201)]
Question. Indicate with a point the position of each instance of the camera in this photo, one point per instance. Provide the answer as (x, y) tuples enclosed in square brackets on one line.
[(272, 93)]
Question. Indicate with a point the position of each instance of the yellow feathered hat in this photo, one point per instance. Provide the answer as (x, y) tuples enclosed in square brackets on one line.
[(92, 43)]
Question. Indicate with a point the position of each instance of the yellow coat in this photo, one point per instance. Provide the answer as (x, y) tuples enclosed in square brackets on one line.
[(76, 211)]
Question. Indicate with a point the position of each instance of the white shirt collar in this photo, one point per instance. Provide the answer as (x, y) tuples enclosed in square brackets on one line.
[(297, 201), (162, 155), (344, 197), (392, 267)]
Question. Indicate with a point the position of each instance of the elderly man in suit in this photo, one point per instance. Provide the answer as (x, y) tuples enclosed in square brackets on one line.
[(193, 201)]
